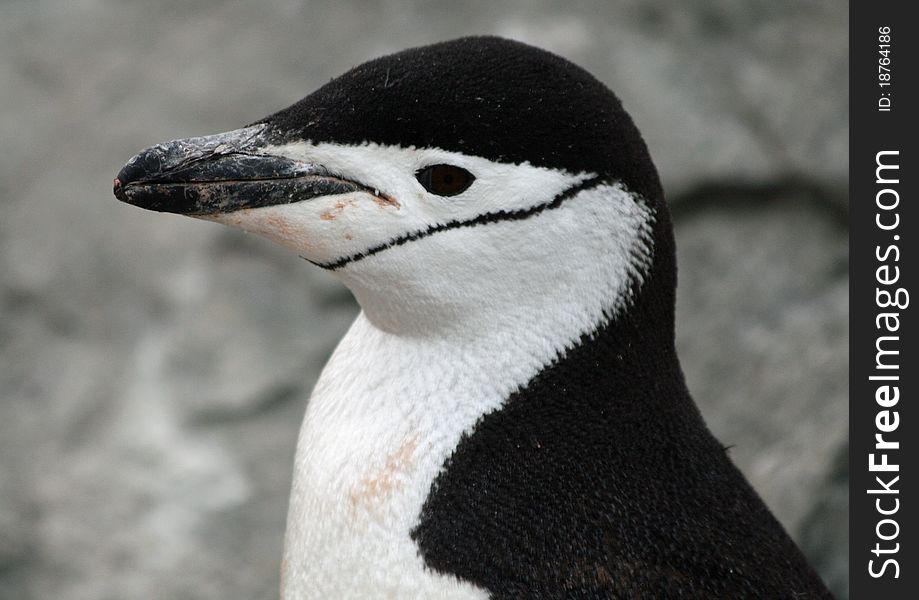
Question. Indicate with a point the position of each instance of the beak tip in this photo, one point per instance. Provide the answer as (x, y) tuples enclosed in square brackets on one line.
[(118, 190)]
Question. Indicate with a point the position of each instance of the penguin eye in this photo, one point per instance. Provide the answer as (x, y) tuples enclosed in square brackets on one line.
[(445, 180)]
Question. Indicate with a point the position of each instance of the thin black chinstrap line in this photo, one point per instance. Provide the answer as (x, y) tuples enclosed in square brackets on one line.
[(494, 217)]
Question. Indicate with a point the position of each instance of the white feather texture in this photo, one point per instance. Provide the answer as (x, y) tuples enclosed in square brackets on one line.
[(328, 228), (451, 324)]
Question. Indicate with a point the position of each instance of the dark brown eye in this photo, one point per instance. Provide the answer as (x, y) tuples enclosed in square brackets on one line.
[(445, 180)]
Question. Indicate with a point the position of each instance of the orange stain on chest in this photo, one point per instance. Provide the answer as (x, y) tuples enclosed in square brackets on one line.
[(376, 486)]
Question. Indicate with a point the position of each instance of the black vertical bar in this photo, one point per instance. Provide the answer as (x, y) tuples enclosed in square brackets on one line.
[(884, 370)]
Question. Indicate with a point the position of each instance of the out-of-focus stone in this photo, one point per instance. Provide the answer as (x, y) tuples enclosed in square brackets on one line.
[(762, 332)]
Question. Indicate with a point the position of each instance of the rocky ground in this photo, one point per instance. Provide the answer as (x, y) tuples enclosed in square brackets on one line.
[(153, 369)]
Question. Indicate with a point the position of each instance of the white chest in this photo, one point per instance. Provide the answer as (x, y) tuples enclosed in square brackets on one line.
[(368, 452), (389, 409)]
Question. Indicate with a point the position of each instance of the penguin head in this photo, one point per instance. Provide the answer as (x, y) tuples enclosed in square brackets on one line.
[(439, 183)]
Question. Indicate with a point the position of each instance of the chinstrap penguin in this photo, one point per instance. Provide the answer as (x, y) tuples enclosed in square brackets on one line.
[(507, 417)]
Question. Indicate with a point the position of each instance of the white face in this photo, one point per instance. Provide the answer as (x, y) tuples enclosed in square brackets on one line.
[(438, 280)]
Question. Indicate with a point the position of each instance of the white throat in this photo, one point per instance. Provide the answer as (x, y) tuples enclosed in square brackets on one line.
[(488, 308)]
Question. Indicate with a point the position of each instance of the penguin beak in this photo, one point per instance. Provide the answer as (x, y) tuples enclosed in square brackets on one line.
[(219, 174)]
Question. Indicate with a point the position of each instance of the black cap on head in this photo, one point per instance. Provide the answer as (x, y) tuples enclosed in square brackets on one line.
[(484, 96)]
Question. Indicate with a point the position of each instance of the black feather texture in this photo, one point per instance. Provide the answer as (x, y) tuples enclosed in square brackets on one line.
[(484, 96), (599, 479)]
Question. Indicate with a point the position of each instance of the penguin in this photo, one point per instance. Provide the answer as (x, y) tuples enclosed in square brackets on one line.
[(507, 417)]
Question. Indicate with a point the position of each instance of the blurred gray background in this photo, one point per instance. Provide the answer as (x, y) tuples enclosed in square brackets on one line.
[(154, 369)]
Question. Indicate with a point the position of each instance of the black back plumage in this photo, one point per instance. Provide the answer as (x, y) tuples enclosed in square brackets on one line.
[(598, 479)]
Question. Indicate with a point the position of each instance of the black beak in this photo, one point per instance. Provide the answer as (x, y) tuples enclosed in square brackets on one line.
[(221, 173)]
